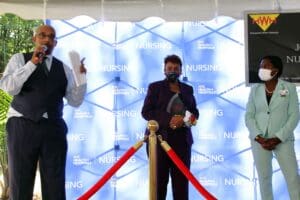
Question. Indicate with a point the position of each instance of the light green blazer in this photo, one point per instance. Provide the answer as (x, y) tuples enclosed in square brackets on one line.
[(279, 118)]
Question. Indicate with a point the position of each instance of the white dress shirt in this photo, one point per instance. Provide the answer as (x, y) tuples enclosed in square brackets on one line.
[(17, 72)]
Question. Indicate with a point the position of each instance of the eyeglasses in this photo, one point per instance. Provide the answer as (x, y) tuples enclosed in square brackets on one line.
[(43, 36)]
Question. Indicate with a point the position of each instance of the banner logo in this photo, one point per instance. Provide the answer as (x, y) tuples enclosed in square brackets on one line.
[(264, 21)]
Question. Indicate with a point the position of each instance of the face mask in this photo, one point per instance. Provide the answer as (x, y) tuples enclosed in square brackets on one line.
[(172, 76), (265, 74)]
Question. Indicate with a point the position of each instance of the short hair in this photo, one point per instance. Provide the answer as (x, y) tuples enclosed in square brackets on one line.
[(276, 62), (37, 28), (173, 59)]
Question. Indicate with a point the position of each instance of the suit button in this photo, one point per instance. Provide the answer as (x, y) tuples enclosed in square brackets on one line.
[(268, 112)]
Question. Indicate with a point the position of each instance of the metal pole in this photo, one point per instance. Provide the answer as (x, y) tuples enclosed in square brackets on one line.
[(152, 127)]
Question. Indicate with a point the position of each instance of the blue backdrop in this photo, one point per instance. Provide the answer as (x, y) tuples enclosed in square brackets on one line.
[(122, 58)]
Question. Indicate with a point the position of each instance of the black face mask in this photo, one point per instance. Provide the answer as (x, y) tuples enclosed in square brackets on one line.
[(172, 77)]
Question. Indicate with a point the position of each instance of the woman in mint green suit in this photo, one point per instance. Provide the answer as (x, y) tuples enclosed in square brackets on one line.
[(272, 114)]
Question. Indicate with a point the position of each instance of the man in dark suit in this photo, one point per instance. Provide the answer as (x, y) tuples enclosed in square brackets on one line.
[(36, 131), (168, 102)]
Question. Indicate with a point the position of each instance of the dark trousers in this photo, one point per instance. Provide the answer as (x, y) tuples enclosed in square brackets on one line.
[(30, 143), (166, 168)]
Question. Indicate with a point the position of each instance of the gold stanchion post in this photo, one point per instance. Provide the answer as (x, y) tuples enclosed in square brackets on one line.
[(152, 127)]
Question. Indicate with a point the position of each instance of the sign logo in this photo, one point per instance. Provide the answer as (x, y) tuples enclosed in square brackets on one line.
[(264, 21)]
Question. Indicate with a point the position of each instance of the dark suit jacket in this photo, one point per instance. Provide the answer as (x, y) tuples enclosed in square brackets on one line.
[(155, 107)]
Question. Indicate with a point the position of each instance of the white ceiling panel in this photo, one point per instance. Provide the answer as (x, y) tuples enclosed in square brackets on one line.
[(136, 10)]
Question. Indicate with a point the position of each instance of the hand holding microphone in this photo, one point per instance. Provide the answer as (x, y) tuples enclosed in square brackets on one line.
[(39, 54)]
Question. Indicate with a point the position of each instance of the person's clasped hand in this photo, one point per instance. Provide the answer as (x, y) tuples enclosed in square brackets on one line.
[(268, 143), (271, 143), (176, 122)]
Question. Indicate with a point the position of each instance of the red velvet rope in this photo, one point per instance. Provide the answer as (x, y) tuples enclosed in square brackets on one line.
[(108, 174), (127, 155), (189, 175)]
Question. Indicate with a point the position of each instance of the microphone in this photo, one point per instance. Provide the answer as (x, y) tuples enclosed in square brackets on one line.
[(41, 54)]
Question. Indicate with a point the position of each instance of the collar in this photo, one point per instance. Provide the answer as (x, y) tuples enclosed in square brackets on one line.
[(49, 60)]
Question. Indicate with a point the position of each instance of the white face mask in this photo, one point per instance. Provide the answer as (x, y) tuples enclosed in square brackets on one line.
[(265, 74)]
